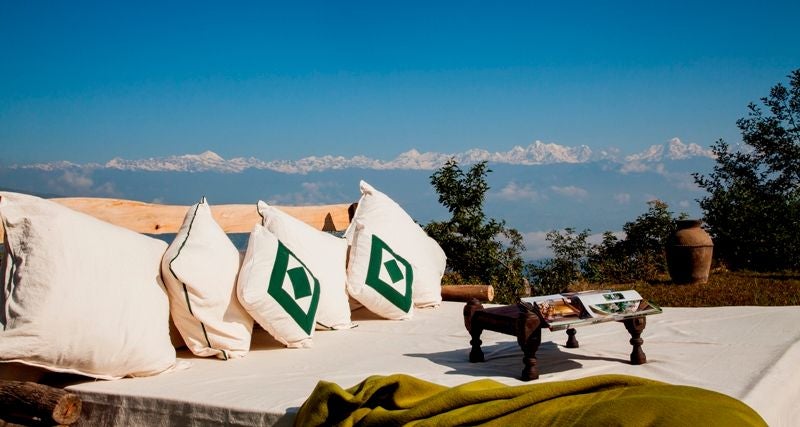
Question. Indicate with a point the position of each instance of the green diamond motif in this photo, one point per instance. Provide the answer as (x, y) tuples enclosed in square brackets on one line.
[(303, 283), (394, 270), (300, 283), (385, 263)]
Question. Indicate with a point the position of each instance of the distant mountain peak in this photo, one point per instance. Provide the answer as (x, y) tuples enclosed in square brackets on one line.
[(210, 156), (679, 151), (675, 149)]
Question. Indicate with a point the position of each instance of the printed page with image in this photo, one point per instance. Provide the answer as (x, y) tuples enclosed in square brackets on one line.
[(570, 309)]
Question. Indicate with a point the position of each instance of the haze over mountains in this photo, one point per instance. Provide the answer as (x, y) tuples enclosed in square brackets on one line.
[(535, 188)]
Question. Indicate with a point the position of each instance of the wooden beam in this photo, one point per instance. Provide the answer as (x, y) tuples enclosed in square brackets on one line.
[(158, 219)]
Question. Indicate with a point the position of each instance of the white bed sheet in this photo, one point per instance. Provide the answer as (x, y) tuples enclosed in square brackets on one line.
[(751, 353)]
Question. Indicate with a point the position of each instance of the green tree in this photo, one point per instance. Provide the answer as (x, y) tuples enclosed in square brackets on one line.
[(753, 204), (478, 249)]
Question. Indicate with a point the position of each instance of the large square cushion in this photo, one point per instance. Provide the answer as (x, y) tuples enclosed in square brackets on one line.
[(80, 295), (325, 255), (385, 241), (278, 288)]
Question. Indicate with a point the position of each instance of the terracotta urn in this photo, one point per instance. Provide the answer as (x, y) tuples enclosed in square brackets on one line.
[(689, 251)]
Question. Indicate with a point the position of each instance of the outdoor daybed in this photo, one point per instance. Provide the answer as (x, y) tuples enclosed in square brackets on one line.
[(749, 353)]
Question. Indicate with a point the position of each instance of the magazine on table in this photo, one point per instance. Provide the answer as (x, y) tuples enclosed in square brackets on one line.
[(556, 309), (577, 308)]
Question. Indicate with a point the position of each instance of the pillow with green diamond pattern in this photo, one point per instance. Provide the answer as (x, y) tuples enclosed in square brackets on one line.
[(293, 278), (326, 256), (393, 265), (278, 290)]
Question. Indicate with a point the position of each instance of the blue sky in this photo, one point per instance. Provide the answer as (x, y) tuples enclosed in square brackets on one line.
[(89, 81)]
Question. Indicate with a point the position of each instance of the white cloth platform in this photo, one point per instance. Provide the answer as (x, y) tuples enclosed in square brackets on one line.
[(750, 353)]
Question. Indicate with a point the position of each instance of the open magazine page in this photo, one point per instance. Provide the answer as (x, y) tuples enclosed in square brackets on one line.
[(616, 304), (555, 309), (605, 303), (582, 308)]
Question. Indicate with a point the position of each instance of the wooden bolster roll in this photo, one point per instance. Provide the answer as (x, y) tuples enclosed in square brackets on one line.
[(464, 293), (30, 400)]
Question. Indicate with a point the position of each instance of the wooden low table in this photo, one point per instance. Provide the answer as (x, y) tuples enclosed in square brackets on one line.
[(524, 322)]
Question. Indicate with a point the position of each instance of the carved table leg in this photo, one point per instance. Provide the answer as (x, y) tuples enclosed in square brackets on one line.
[(635, 326), (572, 342), (529, 336), (475, 354)]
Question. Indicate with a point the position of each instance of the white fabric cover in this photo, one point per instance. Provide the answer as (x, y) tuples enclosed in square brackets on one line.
[(278, 289), (199, 270), (378, 276), (324, 254), (750, 353), (81, 295), (385, 217)]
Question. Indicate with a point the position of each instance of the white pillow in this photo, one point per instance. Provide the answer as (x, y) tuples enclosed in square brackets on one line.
[(277, 288), (199, 270), (379, 277), (386, 218), (81, 295), (324, 254)]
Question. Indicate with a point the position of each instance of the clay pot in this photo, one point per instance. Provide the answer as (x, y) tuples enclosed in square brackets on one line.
[(689, 251)]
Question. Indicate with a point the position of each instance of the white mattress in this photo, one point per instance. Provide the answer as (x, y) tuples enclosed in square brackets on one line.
[(751, 353)]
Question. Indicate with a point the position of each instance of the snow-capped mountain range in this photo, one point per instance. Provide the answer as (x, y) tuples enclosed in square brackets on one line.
[(536, 188), (537, 153)]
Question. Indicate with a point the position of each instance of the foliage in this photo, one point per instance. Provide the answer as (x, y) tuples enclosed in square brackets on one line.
[(753, 206), (639, 256), (477, 248)]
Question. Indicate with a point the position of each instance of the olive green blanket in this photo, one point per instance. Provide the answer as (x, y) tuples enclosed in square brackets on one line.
[(605, 400)]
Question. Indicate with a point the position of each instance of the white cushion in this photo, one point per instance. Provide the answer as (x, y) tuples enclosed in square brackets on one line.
[(199, 270), (277, 288), (81, 295), (324, 254), (384, 217), (379, 277)]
